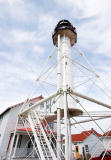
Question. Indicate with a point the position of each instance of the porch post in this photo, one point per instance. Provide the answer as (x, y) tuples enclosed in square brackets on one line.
[(33, 148), (15, 148), (70, 140)]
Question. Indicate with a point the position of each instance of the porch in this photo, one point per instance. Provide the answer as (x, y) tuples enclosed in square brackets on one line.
[(25, 148)]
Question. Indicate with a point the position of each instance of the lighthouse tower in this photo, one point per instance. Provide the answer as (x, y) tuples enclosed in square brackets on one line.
[(64, 37)]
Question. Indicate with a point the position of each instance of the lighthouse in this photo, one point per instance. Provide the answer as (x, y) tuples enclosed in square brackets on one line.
[(65, 37)]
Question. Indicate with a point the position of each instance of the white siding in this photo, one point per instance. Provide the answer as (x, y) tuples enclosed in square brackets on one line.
[(4, 136), (107, 142), (95, 145), (7, 125), (13, 118)]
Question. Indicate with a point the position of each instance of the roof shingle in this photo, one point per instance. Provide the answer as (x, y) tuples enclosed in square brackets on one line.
[(107, 133), (83, 135)]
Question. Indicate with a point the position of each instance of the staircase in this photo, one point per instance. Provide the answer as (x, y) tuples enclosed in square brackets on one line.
[(45, 147)]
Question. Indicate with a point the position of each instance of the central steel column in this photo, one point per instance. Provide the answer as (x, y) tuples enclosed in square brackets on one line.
[(59, 86), (65, 46), (64, 37)]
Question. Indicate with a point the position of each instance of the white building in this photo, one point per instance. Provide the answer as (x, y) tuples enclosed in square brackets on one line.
[(87, 143), (22, 146)]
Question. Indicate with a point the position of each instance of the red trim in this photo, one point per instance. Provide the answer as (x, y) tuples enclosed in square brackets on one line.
[(107, 133), (29, 130), (9, 141)]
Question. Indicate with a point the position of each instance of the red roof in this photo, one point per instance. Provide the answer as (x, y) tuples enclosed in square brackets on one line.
[(33, 100), (107, 133), (83, 135), (29, 130)]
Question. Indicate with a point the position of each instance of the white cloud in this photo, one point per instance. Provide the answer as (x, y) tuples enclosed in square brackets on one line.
[(17, 10), (23, 36), (94, 29), (22, 62), (84, 9), (16, 36)]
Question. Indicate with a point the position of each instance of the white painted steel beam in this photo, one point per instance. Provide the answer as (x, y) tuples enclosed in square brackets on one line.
[(59, 87), (97, 113), (91, 99), (89, 120), (66, 84), (38, 103)]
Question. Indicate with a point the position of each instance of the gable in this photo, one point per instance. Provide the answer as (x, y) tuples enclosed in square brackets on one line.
[(91, 137), (33, 100), (84, 135)]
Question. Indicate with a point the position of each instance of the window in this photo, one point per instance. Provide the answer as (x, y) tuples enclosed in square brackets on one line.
[(63, 148), (50, 126), (41, 106), (75, 143), (48, 105), (86, 148), (30, 104), (30, 144), (19, 141), (109, 154)]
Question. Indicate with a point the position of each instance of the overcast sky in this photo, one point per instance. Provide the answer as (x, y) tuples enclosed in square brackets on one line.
[(26, 28)]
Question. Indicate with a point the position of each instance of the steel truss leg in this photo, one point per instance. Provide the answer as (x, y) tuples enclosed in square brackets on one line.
[(66, 127), (58, 134)]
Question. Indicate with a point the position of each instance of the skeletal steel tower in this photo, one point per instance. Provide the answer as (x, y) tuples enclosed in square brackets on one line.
[(63, 101), (64, 37)]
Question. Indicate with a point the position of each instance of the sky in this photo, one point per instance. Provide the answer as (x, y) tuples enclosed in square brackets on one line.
[(26, 28)]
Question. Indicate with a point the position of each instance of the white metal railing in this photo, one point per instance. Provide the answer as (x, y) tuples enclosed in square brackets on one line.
[(43, 144), (53, 136), (43, 138), (24, 152), (50, 134)]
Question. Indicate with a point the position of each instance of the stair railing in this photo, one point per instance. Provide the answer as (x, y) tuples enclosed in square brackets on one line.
[(40, 135)]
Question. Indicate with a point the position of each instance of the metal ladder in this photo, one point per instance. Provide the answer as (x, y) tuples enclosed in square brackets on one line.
[(46, 152)]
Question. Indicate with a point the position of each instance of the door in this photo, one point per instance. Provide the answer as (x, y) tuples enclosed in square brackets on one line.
[(77, 151)]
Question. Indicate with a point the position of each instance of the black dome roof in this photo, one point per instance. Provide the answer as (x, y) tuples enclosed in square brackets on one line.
[(64, 24), (65, 27)]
